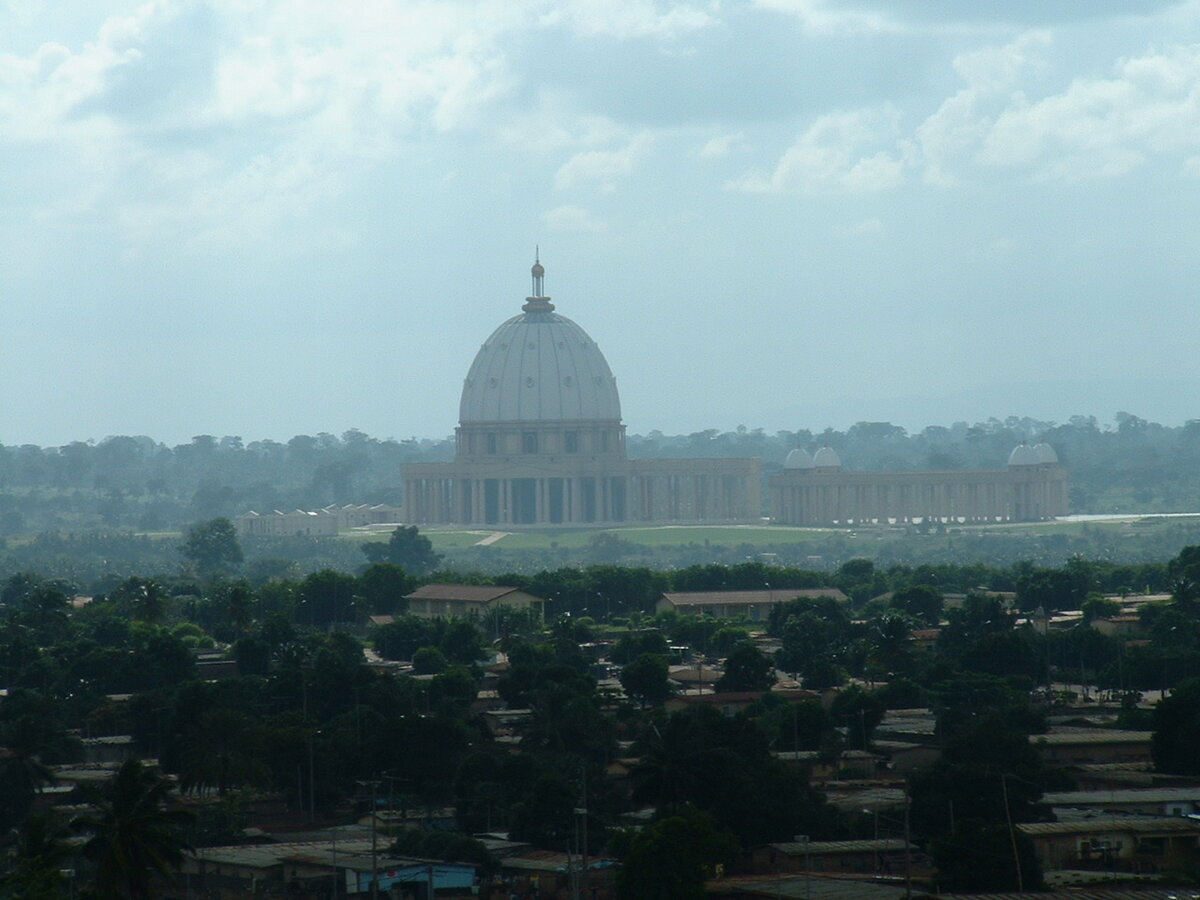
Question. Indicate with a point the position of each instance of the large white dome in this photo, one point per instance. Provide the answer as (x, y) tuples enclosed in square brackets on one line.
[(539, 367), (1045, 454), (798, 459), (1023, 455), (827, 458)]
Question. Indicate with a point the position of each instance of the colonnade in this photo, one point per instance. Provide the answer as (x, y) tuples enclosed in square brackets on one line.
[(815, 497)]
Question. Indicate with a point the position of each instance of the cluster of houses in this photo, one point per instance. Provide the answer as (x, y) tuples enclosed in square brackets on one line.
[(1125, 822)]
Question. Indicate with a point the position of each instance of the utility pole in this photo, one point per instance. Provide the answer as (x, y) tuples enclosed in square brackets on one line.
[(1012, 835), (374, 785)]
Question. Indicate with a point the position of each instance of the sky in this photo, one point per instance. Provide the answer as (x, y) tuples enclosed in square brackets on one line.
[(295, 216)]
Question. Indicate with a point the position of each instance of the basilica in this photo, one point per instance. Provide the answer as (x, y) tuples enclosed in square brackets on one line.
[(540, 442)]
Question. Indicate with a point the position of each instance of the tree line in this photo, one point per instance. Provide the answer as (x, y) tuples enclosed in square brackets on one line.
[(136, 482)]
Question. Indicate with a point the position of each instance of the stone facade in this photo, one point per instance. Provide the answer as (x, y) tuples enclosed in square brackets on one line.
[(1032, 488), (540, 442)]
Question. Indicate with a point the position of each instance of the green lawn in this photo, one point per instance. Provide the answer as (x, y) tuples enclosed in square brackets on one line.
[(663, 536)]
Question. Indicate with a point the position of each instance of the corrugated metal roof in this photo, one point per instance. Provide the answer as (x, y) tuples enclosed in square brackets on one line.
[(1146, 825), (472, 593), (1126, 795), (828, 848), (710, 598), (1092, 736)]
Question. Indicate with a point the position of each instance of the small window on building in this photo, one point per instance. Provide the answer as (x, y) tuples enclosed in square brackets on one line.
[(604, 440), (529, 442), (491, 444), (571, 442)]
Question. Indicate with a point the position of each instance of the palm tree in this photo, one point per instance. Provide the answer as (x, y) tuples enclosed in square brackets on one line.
[(36, 873), (133, 837)]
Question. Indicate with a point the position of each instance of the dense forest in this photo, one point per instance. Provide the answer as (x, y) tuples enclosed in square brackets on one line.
[(137, 483)]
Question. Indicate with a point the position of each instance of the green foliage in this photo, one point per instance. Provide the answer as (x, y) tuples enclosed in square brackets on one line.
[(723, 766), (141, 599), (406, 548), (1177, 730), (213, 547), (746, 669), (429, 661), (384, 585), (41, 855), (645, 679), (133, 837), (326, 597), (444, 845), (790, 725), (978, 858), (970, 697), (670, 859), (923, 602), (633, 644), (859, 712), (461, 642), (401, 639), (989, 770)]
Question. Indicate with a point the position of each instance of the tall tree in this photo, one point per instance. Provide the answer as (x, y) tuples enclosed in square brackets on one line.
[(1176, 744), (133, 838), (671, 859), (746, 669), (212, 546), (407, 548)]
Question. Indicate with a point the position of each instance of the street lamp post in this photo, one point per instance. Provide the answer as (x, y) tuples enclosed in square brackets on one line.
[(803, 839)]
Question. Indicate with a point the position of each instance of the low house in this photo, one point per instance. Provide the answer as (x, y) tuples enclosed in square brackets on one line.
[(733, 702), (1118, 626), (550, 874), (1117, 844), (1078, 746), (446, 601), (309, 868), (846, 765), (1179, 801), (754, 605), (114, 748), (881, 856), (907, 756)]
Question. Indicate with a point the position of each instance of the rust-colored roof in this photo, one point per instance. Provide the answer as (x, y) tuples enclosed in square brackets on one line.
[(471, 593), (748, 598)]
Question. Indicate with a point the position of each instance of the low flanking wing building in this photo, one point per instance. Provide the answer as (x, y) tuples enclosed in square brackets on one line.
[(754, 605), (447, 601), (816, 490)]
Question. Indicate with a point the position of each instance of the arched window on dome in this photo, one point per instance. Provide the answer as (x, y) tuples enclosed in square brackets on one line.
[(529, 442)]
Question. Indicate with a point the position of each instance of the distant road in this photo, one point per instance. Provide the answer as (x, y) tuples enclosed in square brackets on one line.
[(1121, 517)]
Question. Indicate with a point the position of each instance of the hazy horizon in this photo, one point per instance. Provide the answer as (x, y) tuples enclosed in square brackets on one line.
[(299, 217)]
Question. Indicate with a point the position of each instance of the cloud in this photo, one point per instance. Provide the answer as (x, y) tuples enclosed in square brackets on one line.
[(574, 219), (601, 169), (627, 19), (1093, 128), (723, 145), (822, 17), (839, 153)]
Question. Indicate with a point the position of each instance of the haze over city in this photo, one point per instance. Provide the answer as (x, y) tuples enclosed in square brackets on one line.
[(303, 217)]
